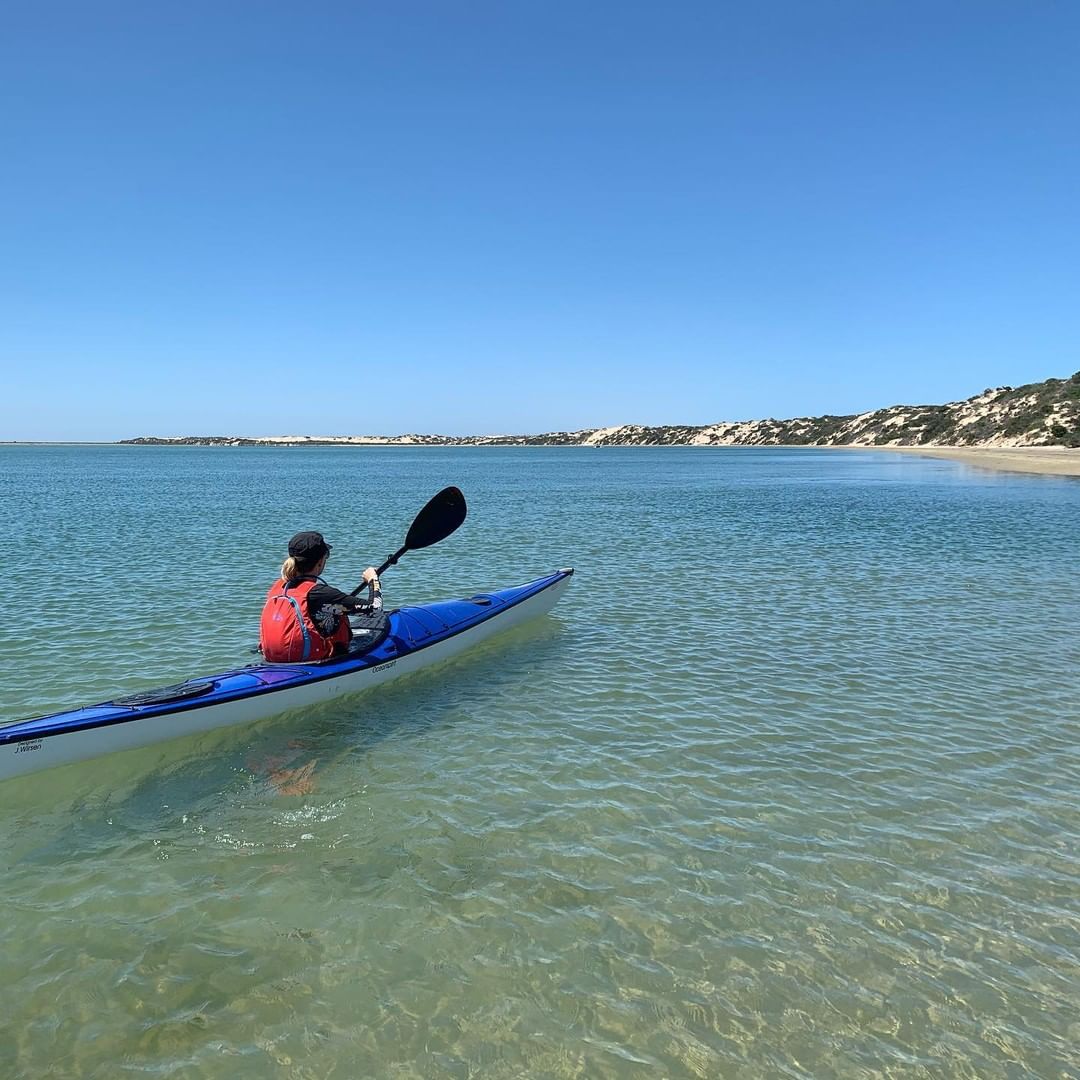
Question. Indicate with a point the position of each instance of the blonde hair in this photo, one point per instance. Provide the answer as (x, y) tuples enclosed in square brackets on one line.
[(292, 568)]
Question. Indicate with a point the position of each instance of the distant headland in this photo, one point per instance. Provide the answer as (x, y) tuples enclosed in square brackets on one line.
[(1044, 414)]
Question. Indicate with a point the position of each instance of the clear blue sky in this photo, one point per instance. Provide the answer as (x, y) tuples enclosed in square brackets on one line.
[(269, 218)]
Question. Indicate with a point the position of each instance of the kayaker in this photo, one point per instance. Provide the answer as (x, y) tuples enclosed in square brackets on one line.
[(303, 617)]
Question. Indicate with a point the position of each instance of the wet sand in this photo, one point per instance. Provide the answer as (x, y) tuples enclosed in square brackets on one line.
[(1057, 460)]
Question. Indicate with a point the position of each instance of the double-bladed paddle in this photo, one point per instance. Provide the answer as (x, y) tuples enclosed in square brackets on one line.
[(441, 516)]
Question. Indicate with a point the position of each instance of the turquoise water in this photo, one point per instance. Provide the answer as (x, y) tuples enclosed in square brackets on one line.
[(786, 786)]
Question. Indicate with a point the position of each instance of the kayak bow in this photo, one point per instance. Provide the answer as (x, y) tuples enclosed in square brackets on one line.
[(418, 637)]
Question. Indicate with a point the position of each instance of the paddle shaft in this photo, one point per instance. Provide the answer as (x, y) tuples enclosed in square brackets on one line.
[(381, 569)]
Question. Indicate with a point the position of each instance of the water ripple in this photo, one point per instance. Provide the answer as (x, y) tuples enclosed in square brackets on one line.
[(796, 802)]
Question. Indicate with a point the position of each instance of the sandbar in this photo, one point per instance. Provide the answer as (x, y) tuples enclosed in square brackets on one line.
[(1056, 460)]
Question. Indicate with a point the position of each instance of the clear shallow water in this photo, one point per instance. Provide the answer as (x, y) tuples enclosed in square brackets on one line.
[(785, 787)]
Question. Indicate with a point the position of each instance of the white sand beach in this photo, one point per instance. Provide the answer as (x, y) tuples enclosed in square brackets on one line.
[(1058, 460)]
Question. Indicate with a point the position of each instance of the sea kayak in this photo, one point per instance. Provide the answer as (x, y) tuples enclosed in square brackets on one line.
[(415, 638)]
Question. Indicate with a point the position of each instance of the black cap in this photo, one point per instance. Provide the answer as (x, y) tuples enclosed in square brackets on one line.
[(308, 547)]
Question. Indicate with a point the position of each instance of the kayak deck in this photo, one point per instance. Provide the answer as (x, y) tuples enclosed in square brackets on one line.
[(264, 689)]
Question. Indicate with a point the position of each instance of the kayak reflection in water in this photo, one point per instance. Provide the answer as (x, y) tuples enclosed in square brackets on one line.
[(304, 618)]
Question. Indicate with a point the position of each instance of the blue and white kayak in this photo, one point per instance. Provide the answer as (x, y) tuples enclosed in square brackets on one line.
[(417, 637)]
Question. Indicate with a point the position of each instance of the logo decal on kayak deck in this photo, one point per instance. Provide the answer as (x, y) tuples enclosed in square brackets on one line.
[(385, 667), (26, 747)]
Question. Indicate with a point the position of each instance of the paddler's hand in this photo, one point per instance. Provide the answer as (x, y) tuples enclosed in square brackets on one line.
[(371, 577)]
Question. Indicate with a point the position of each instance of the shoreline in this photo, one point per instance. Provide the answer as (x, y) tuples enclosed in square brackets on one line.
[(1042, 460), (1045, 460)]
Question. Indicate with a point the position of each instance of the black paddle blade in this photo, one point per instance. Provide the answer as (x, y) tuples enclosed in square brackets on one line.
[(443, 514)]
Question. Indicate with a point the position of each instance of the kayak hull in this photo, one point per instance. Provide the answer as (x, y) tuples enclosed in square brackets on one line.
[(419, 637)]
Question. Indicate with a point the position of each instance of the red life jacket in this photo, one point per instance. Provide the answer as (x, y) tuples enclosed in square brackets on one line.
[(288, 634)]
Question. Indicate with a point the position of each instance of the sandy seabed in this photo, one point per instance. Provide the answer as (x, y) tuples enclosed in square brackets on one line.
[(1058, 460)]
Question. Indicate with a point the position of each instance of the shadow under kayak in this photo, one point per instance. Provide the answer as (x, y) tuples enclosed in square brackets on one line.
[(417, 638)]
